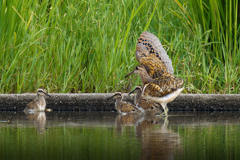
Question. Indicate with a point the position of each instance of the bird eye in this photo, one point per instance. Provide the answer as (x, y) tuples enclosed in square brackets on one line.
[(136, 68)]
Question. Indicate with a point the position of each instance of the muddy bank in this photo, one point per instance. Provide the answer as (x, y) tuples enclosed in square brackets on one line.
[(98, 102)]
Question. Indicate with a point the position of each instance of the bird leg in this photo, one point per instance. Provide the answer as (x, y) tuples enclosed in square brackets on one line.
[(164, 106)]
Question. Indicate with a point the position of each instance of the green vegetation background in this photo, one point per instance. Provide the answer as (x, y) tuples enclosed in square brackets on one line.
[(89, 46)]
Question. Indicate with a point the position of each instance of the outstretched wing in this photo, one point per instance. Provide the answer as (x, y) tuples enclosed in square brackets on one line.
[(151, 54), (154, 66)]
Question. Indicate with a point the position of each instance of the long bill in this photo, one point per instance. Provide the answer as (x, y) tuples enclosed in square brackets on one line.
[(129, 74), (131, 92), (111, 97), (47, 94)]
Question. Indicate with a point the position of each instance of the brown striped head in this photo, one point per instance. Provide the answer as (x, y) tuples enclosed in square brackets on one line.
[(117, 95), (42, 92), (138, 89)]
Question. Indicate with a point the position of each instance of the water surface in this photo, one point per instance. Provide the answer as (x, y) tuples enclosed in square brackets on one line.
[(107, 135)]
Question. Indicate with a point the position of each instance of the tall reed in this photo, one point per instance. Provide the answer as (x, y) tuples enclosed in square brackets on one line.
[(213, 44), (88, 46)]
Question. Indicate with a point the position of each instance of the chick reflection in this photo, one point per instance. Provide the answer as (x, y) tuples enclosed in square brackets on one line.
[(40, 118), (148, 122), (126, 120), (158, 142)]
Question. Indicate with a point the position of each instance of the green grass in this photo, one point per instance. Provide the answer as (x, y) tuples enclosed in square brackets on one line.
[(88, 46)]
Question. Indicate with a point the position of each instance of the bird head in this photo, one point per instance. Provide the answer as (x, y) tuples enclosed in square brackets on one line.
[(117, 95), (137, 89), (140, 69), (42, 92)]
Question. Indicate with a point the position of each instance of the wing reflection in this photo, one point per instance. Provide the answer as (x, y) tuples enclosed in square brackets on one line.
[(158, 141)]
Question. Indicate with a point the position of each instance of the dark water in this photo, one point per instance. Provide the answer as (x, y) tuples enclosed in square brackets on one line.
[(106, 135)]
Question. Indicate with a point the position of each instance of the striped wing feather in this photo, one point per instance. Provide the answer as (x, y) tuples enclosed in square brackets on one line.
[(149, 45), (155, 67)]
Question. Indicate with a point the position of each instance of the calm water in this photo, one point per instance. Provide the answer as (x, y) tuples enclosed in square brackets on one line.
[(106, 135)]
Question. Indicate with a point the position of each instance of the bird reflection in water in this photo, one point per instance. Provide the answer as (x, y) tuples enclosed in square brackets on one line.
[(126, 120), (39, 118), (158, 141)]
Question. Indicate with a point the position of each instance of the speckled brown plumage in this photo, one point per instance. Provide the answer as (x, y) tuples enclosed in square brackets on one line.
[(149, 106), (127, 107), (155, 67), (162, 86), (122, 106), (163, 90), (153, 58), (146, 106), (149, 46)]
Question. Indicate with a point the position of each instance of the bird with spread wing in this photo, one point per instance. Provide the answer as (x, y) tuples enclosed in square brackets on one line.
[(156, 71)]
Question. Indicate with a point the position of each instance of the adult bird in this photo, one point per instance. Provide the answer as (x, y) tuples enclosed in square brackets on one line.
[(156, 71), (163, 90)]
